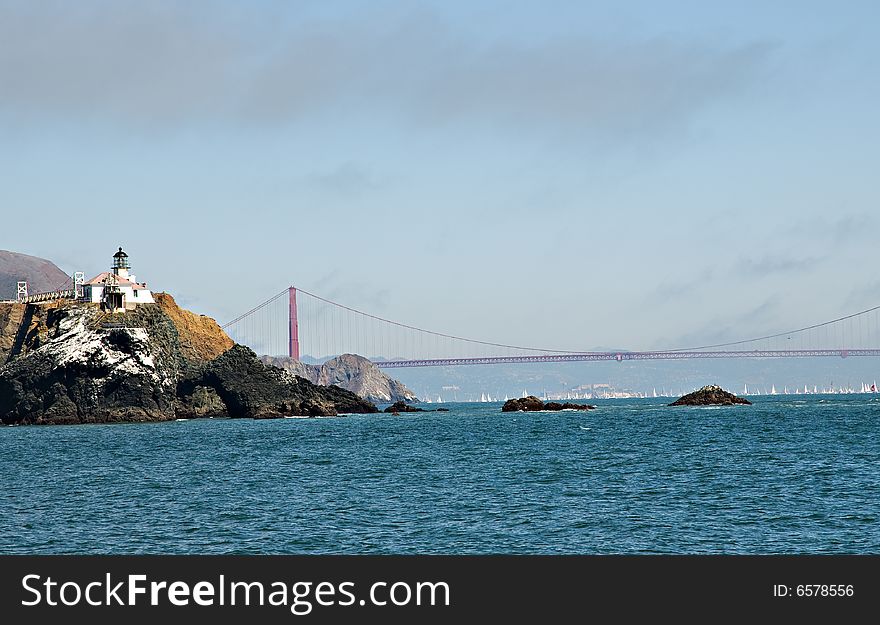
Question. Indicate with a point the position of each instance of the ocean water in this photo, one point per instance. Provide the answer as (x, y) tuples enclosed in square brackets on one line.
[(788, 475)]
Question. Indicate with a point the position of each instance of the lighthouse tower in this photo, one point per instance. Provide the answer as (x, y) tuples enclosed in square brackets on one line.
[(120, 265)]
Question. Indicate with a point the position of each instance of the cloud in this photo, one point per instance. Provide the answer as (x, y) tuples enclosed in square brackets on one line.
[(678, 289), (768, 265), (759, 320), (843, 229), (347, 179), (865, 295), (159, 64)]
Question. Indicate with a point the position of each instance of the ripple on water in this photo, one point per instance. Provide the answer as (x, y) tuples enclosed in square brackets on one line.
[(779, 477)]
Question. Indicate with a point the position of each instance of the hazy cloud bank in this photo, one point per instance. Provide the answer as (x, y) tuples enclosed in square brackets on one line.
[(163, 64)]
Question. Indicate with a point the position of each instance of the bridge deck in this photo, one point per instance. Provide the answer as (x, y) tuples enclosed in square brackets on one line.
[(621, 356)]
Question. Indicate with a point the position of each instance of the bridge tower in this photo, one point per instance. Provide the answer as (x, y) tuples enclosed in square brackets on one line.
[(293, 325), (22, 291)]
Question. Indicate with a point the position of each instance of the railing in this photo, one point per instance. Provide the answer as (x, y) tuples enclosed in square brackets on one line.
[(47, 297)]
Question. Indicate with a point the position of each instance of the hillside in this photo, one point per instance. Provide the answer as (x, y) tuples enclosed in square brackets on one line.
[(351, 372), (41, 274)]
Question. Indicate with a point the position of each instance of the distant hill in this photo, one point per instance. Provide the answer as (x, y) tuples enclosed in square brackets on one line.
[(41, 274)]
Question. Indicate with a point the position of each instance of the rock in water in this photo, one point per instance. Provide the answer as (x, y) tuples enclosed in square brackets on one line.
[(712, 395), (402, 406), (351, 372), (533, 404), (69, 362)]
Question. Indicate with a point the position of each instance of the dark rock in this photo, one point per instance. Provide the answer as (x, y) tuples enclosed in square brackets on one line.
[(712, 395), (533, 404), (442, 410), (529, 403), (200, 402), (402, 406), (249, 388)]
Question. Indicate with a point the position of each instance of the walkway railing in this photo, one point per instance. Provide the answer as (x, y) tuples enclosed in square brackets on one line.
[(37, 298)]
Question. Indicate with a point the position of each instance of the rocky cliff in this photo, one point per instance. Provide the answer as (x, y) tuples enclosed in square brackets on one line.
[(69, 362), (41, 274), (351, 372)]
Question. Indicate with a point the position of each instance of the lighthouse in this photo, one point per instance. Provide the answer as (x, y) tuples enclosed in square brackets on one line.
[(117, 290)]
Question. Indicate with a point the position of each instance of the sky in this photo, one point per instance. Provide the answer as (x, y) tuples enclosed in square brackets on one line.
[(568, 175)]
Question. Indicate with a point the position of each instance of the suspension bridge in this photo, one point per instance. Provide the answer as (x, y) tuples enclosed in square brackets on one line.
[(295, 322)]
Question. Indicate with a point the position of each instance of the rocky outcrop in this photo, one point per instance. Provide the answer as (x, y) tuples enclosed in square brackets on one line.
[(712, 395), (41, 275), (533, 404), (250, 388), (71, 363), (351, 372), (69, 368), (402, 406), (553, 405)]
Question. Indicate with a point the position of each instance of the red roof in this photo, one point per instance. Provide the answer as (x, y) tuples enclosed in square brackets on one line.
[(99, 281)]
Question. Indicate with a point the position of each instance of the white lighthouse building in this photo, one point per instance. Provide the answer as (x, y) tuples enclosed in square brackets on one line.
[(117, 290)]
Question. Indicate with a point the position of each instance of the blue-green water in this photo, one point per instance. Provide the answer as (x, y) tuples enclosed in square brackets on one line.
[(786, 475)]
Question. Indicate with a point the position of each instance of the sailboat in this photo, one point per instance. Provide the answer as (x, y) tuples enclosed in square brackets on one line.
[(773, 390)]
